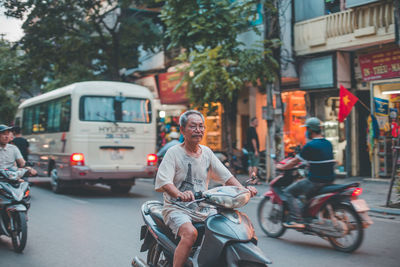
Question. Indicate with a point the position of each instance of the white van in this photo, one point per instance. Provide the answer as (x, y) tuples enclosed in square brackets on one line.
[(91, 132)]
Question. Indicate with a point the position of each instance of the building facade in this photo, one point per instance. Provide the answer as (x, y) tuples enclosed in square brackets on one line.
[(350, 43)]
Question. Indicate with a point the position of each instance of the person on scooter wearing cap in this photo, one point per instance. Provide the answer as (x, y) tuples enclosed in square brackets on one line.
[(10, 156), (187, 168), (318, 153)]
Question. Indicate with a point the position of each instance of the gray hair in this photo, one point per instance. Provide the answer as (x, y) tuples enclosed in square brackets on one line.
[(183, 119)]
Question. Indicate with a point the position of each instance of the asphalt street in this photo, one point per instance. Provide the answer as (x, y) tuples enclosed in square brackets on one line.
[(94, 227)]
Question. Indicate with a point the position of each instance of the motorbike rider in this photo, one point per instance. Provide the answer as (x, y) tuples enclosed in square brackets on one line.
[(174, 141), (318, 153), (185, 169), (10, 156)]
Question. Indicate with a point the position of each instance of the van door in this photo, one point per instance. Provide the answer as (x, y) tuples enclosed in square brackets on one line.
[(119, 132)]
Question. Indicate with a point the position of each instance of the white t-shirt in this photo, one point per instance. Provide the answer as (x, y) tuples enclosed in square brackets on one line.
[(8, 155), (189, 173)]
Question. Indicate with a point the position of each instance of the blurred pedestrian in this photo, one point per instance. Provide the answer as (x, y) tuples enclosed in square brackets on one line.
[(20, 142), (253, 148)]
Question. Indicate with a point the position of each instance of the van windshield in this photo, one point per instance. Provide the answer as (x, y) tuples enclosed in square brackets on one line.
[(113, 109)]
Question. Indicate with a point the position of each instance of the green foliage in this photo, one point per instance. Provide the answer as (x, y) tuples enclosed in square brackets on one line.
[(9, 86), (203, 24), (75, 40), (219, 65), (214, 76)]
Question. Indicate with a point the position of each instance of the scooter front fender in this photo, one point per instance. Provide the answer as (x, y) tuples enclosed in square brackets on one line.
[(245, 253), (222, 230)]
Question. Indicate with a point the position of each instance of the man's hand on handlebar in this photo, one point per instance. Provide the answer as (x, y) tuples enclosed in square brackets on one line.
[(31, 171), (185, 196), (253, 190)]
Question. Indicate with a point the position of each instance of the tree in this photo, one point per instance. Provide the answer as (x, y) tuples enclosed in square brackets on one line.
[(9, 63), (219, 65), (74, 40)]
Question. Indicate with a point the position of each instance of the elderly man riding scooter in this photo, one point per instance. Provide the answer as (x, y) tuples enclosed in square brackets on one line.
[(185, 169)]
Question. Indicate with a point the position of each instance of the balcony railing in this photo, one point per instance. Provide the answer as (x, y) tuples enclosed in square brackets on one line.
[(351, 28)]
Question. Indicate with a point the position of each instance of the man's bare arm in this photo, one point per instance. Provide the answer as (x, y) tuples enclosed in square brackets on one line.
[(20, 162)]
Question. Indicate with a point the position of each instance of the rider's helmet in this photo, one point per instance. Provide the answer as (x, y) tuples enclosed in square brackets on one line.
[(313, 123), (174, 135), (4, 128)]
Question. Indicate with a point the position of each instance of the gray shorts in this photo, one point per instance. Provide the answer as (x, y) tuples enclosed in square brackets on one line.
[(253, 160), (176, 219)]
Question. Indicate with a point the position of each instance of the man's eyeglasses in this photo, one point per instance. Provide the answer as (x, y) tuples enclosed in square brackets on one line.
[(195, 127)]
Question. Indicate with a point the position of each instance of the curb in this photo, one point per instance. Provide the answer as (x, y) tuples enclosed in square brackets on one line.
[(376, 180), (385, 211)]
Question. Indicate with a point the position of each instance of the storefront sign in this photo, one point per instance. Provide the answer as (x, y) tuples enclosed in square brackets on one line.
[(381, 65), (166, 85), (381, 106)]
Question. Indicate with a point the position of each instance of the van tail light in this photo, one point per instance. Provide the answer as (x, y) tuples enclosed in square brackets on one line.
[(152, 159), (77, 159), (357, 191)]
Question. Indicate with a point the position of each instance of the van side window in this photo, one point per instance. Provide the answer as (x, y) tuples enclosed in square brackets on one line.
[(48, 117)]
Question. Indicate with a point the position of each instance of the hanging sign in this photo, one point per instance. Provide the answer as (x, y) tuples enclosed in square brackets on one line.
[(381, 106), (380, 65)]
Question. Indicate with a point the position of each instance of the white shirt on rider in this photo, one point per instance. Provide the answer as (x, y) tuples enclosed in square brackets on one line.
[(179, 168), (8, 155)]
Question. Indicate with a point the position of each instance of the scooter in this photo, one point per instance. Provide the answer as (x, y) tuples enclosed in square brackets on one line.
[(226, 238), (14, 204), (334, 213)]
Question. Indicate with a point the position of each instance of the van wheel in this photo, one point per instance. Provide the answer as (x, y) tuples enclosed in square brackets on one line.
[(116, 188), (56, 185)]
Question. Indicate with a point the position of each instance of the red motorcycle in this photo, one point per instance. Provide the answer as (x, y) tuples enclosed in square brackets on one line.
[(334, 213)]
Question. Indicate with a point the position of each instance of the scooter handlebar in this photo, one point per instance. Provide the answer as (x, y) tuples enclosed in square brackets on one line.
[(197, 195)]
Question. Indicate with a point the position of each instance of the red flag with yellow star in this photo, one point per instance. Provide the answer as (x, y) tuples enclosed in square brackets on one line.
[(347, 101)]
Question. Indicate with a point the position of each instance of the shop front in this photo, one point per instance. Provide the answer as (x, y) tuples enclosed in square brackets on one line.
[(381, 70), (295, 113)]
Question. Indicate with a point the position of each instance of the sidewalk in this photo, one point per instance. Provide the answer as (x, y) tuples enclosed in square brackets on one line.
[(375, 192)]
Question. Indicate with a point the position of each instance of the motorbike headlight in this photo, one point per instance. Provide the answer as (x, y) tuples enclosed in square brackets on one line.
[(230, 197)]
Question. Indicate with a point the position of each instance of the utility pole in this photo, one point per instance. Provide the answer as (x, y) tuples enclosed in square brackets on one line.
[(274, 109)]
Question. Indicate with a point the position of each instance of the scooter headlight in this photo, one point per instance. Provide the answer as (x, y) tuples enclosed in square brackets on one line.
[(230, 197)]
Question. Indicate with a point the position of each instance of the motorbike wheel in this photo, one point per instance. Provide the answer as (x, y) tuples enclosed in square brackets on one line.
[(155, 257), (20, 233), (270, 217), (353, 238)]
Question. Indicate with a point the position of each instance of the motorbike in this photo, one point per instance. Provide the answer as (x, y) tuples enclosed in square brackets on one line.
[(226, 238), (335, 212), (14, 205)]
